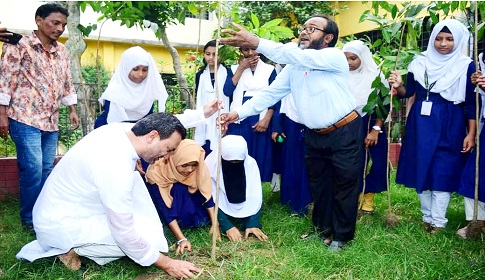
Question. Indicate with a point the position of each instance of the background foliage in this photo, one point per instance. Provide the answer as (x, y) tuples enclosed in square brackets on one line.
[(67, 136), (393, 18), (292, 13)]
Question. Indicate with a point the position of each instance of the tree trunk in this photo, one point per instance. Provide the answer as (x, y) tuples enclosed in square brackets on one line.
[(76, 46), (185, 90)]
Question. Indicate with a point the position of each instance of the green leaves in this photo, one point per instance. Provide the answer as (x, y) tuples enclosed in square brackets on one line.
[(271, 23), (254, 21), (86, 30), (412, 11), (292, 13), (131, 13), (391, 19), (378, 100), (271, 30), (193, 8)]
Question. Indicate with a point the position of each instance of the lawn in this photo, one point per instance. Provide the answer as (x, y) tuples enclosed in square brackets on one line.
[(404, 252)]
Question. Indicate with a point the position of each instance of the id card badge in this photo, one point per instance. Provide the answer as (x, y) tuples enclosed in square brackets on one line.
[(426, 108)]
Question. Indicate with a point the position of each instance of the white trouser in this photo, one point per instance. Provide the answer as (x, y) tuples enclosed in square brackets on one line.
[(433, 206), (146, 223), (100, 253), (469, 202)]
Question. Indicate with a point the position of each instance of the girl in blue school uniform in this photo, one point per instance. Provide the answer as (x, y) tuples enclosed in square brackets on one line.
[(251, 75), (206, 134), (363, 71), (467, 186), (440, 129), (181, 190), (294, 190), (240, 190), (135, 85)]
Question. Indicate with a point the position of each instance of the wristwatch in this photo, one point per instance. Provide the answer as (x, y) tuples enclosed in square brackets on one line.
[(377, 128)]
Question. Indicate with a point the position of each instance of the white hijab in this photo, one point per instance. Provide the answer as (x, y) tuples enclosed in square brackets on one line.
[(131, 101), (205, 93), (250, 83), (360, 79), (234, 147), (449, 70)]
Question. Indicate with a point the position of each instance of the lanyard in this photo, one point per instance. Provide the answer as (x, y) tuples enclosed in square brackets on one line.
[(427, 85)]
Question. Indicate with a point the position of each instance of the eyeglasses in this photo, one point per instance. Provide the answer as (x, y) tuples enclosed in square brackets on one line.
[(309, 30)]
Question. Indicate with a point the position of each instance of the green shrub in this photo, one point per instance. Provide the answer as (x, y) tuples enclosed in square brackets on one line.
[(7, 147)]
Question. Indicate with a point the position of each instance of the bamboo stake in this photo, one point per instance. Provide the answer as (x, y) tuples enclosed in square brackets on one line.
[(391, 218), (366, 164), (194, 94), (219, 128), (474, 229)]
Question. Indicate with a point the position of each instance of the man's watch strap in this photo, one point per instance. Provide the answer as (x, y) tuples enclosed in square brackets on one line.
[(377, 128)]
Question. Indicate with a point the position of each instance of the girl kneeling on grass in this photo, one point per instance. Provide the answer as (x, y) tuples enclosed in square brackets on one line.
[(240, 189), (180, 188)]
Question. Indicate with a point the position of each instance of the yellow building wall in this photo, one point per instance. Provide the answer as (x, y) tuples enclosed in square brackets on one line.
[(110, 54), (110, 51), (348, 19)]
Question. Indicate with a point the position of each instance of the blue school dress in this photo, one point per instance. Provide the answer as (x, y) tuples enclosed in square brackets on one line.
[(467, 185), (294, 190), (431, 157), (260, 145), (190, 210), (102, 119), (228, 90), (375, 181)]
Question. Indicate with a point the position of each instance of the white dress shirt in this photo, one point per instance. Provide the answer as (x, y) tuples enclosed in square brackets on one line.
[(318, 80)]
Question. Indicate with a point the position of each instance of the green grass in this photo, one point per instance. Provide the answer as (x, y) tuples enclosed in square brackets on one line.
[(404, 252)]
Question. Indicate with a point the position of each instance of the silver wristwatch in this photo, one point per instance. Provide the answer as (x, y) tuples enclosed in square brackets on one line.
[(377, 128)]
